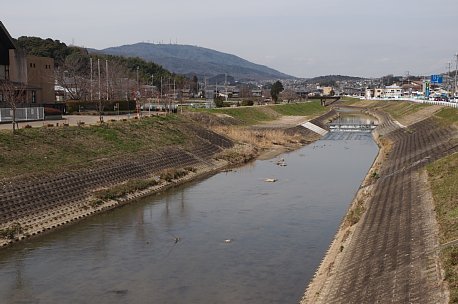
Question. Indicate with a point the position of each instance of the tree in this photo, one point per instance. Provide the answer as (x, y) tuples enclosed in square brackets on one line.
[(219, 101), (13, 93), (289, 95), (194, 85), (277, 87), (73, 75)]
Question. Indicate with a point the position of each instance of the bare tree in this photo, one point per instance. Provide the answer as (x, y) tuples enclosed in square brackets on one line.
[(13, 94), (288, 95), (74, 76)]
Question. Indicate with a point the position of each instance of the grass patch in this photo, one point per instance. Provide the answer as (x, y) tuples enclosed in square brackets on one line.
[(398, 109), (170, 174), (355, 213), (449, 115), (449, 259), (11, 232), (46, 150), (248, 115), (261, 138), (443, 175), (349, 101), (239, 154), (121, 190), (300, 109), (259, 114)]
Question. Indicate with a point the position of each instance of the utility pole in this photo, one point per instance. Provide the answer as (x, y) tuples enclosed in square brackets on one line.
[(100, 94), (91, 78), (456, 71), (408, 83), (106, 67), (138, 83), (152, 92), (449, 86), (98, 68), (225, 84)]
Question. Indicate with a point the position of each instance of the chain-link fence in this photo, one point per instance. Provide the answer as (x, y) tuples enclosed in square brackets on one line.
[(22, 114)]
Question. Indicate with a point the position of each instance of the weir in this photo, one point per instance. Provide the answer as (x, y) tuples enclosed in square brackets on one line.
[(351, 127)]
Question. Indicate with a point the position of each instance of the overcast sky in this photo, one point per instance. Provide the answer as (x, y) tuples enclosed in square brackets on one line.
[(302, 38)]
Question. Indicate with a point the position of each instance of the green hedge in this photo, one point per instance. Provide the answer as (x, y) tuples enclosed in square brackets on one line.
[(108, 106)]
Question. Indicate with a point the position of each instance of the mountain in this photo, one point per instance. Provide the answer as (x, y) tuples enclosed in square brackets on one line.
[(188, 59), (332, 79)]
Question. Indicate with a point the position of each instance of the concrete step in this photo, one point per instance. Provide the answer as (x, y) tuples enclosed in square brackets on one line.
[(314, 128)]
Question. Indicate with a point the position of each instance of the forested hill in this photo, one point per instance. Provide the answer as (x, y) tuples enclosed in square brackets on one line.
[(77, 58), (332, 79), (188, 59)]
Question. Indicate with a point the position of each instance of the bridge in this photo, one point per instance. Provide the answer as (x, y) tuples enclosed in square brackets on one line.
[(351, 127)]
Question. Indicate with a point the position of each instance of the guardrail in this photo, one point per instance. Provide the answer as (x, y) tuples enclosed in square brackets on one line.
[(22, 114), (434, 102), (441, 103)]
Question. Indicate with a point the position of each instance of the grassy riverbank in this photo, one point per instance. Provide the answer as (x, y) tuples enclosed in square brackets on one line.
[(443, 176), (259, 114), (47, 150)]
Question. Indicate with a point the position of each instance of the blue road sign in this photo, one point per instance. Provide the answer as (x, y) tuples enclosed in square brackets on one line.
[(436, 78)]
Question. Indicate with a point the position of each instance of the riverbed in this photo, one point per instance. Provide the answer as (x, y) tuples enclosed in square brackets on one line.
[(232, 238)]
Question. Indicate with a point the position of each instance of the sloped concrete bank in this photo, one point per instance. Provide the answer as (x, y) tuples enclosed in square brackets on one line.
[(32, 206), (35, 205), (386, 248)]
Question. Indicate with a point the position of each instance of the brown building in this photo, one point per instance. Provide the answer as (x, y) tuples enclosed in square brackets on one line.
[(32, 76)]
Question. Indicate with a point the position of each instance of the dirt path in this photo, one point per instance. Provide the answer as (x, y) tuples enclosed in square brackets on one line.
[(283, 122)]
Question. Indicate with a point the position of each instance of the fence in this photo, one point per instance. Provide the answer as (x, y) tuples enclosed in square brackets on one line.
[(22, 114), (441, 103), (434, 102)]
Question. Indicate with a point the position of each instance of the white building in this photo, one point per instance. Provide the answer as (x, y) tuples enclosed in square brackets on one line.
[(392, 91)]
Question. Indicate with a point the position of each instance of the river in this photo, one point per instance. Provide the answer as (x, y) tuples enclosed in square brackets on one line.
[(231, 238)]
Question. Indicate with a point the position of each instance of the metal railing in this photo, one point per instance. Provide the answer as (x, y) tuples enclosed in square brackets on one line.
[(433, 102), (22, 114)]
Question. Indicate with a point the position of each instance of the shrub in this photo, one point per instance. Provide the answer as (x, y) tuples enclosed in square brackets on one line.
[(123, 189), (247, 103), (52, 111), (11, 232)]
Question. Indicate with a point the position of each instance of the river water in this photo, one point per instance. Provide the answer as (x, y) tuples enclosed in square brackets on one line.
[(232, 238)]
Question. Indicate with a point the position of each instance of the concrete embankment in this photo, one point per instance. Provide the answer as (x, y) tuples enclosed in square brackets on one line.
[(33, 206), (385, 249)]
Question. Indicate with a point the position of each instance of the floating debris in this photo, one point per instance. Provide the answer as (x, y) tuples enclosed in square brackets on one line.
[(270, 180), (119, 291), (281, 162)]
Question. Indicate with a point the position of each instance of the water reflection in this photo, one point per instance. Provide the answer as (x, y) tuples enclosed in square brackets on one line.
[(278, 231)]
